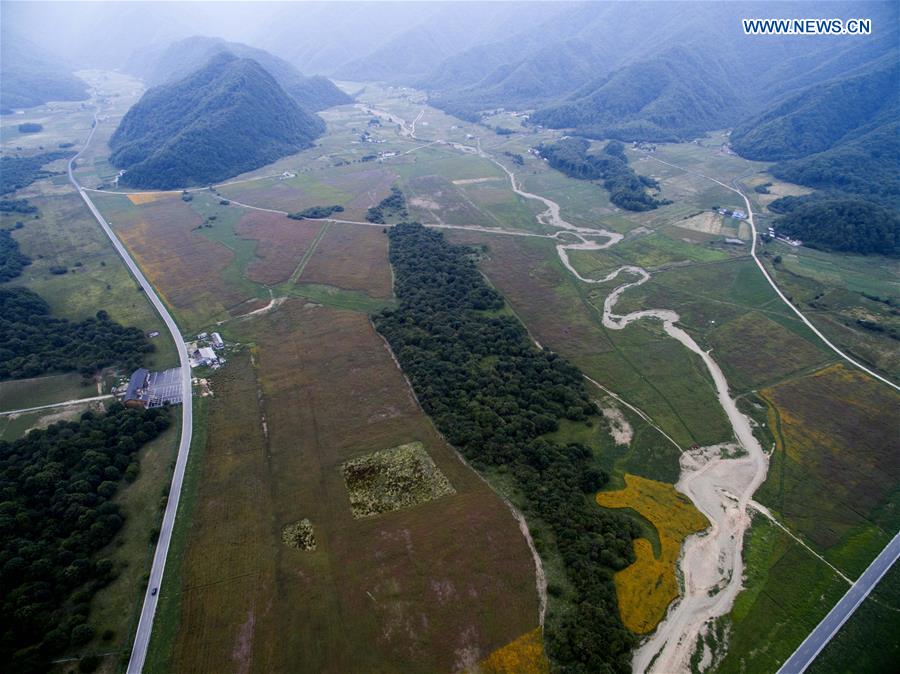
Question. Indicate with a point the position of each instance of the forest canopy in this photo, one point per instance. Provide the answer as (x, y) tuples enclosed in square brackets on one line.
[(33, 342), (229, 117), (626, 188), (56, 513), (841, 223), (12, 260), (19, 172)]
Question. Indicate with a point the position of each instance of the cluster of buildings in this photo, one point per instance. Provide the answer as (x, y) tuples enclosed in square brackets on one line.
[(206, 351), (784, 239), (737, 214), (366, 137)]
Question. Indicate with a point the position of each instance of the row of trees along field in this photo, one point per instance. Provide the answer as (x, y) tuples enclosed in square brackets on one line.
[(393, 205), (493, 394), (33, 342), (626, 188), (56, 513)]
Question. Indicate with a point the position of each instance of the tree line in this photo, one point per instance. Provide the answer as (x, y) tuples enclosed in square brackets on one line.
[(56, 513), (494, 394), (626, 188), (12, 260), (315, 212)]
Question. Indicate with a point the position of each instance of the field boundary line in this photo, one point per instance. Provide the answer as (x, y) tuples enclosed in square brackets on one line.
[(540, 575), (307, 256), (64, 403)]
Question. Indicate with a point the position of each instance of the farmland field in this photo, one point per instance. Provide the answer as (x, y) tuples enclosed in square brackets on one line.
[(319, 388), (837, 439), (353, 258)]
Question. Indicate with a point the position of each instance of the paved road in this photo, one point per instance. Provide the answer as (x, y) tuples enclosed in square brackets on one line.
[(771, 281), (825, 630), (145, 625)]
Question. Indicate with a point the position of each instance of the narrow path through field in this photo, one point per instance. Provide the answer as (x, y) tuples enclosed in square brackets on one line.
[(65, 403)]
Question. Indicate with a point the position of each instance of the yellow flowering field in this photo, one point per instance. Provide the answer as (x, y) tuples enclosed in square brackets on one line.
[(646, 588), (525, 655)]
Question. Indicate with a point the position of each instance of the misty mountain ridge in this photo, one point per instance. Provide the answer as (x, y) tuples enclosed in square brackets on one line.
[(174, 61), (229, 117), (604, 70), (30, 76)]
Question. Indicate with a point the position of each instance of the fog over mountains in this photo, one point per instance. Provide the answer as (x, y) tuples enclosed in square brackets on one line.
[(822, 106)]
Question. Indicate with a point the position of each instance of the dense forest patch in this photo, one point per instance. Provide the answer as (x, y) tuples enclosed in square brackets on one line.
[(12, 260), (19, 172), (493, 393), (392, 206), (33, 342), (843, 223), (626, 188), (57, 513)]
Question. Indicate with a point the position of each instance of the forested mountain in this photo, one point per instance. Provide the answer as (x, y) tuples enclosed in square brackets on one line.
[(652, 70), (843, 138), (29, 76), (159, 65), (865, 165), (227, 118), (670, 97), (820, 116)]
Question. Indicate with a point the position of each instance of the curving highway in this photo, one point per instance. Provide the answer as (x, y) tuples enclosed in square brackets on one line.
[(151, 597)]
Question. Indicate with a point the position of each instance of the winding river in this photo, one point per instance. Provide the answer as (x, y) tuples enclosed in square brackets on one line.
[(720, 480)]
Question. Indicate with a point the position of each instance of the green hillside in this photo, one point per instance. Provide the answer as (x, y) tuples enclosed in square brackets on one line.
[(817, 118), (227, 118), (671, 97)]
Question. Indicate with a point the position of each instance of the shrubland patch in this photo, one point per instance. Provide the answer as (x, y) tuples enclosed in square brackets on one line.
[(391, 479), (299, 535)]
